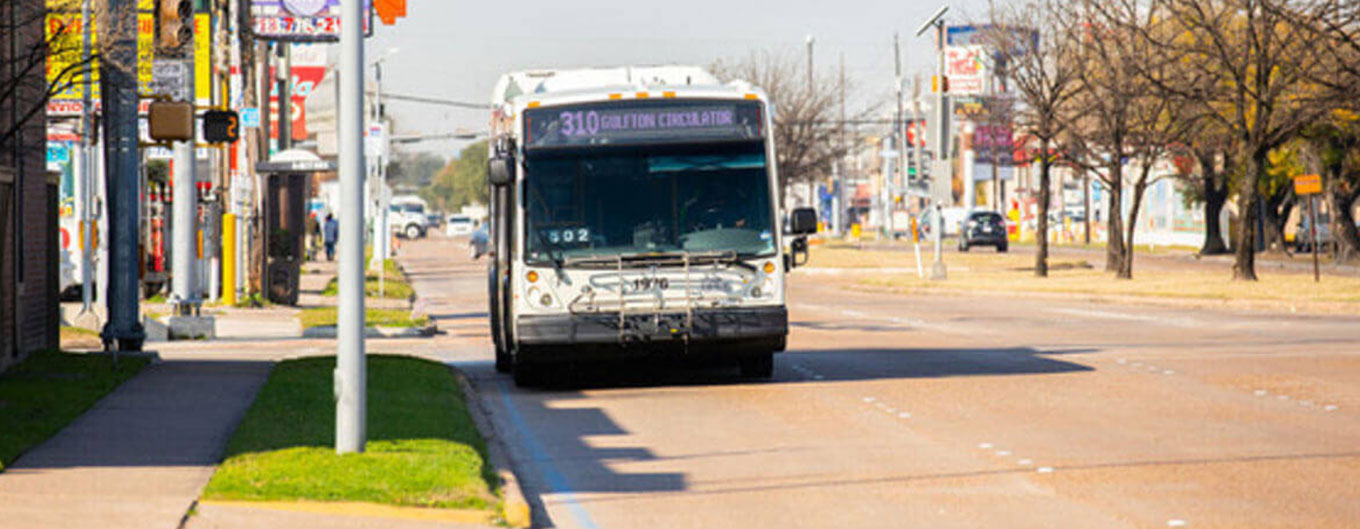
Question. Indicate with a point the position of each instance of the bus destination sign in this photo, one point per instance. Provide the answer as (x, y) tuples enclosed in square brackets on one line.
[(642, 122)]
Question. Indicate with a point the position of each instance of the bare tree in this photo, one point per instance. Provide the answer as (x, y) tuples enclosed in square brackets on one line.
[(1036, 48), (59, 53), (808, 120)]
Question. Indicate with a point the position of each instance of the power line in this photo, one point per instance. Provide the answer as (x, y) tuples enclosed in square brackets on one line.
[(436, 101)]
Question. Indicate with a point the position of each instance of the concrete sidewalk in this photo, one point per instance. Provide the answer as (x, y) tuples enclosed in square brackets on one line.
[(140, 457)]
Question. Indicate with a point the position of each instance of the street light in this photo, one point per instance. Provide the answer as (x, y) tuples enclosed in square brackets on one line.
[(941, 169), (350, 373)]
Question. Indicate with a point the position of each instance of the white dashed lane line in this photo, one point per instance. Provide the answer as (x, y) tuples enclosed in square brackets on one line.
[(1136, 365)]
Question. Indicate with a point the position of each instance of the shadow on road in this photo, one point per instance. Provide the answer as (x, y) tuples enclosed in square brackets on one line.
[(829, 365)]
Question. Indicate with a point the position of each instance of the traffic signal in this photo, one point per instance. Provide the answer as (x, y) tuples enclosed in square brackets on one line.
[(174, 27), (221, 126), (389, 10), (171, 121)]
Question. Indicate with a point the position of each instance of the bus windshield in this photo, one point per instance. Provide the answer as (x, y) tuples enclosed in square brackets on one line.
[(638, 201)]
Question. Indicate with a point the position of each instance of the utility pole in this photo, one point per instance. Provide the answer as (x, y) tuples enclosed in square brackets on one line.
[(122, 168), (811, 87), (86, 166), (284, 76), (899, 132), (840, 211), (351, 390)]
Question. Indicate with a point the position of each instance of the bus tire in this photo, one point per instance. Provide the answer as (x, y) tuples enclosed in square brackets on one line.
[(757, 366), (504, 362)]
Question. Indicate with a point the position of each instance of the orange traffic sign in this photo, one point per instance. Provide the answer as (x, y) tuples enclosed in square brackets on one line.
[(1307, 184)]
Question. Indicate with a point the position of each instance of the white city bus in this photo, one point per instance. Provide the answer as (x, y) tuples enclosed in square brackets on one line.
[(634, 214)]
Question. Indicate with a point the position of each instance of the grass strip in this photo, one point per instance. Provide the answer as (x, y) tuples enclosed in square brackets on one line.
[(323, 316), (423, 448), (984, 270), (48, 390), (393, 287)]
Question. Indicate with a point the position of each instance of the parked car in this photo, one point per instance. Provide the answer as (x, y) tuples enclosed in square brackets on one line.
[(983, 228), (459, 225), (434, 220), (1303, 239)]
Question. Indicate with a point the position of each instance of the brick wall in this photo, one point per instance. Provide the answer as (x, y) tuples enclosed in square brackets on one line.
[(28, 305)]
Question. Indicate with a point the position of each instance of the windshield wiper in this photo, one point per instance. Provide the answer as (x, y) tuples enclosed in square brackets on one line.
[(553, 258)]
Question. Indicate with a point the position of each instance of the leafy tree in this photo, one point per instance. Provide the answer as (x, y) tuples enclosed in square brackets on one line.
[(462, 181), (414, 170)]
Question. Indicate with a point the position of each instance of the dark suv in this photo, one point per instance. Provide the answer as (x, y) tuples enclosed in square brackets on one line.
[(984, 228)]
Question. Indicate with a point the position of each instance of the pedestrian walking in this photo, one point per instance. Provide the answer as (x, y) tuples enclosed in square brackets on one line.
[(331, 232)]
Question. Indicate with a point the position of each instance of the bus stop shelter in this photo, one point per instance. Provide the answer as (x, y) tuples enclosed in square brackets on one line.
[(286, 180)]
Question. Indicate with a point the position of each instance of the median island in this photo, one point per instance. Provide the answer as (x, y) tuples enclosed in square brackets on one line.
[(423, 448)]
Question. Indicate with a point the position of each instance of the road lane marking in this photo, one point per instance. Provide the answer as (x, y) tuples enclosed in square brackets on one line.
[(556, 479), (1044, 470), (985, 446), (1175, 523), (904, 415), (1330, 407), (1261, 393), (1024, 462), (1003, 453), (1109, 315)]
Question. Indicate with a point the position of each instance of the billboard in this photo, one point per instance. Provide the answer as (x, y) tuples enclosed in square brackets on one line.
[(968, 69), (308, 69), (301, 20), (66, 34)]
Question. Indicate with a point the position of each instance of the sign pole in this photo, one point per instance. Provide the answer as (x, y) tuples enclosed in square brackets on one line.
[(350, 375), (1312, 232)]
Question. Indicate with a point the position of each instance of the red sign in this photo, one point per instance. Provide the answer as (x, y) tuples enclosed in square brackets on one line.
[(305, 80)]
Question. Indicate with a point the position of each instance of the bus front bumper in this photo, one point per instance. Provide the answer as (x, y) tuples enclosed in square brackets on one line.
[(706, 330)]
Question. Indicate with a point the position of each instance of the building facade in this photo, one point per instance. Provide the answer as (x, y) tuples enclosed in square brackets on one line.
[(29, 319)]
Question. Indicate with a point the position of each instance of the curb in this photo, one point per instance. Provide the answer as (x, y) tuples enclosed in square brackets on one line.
[(329, 331), (370, 510), (514, 507)]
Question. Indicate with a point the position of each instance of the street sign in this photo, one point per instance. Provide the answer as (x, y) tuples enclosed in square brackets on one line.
[(250, 117), (1308, 184), (169, 78)]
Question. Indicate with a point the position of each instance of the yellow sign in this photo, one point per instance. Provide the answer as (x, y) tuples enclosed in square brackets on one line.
[(64, 31), (1308, 184)]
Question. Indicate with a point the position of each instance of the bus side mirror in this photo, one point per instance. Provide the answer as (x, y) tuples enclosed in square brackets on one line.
[(797, 247), (500, 171), (803, 221)]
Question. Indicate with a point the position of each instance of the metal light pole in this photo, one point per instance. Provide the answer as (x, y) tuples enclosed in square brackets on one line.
[(382, 232), (938, 271), (86, 167), (350, 390), (184, 278)]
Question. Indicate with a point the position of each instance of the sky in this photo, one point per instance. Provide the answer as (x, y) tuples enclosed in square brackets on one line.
[(453, 49)]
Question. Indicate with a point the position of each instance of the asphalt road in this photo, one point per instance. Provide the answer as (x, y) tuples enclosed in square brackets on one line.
[(939, 411)]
